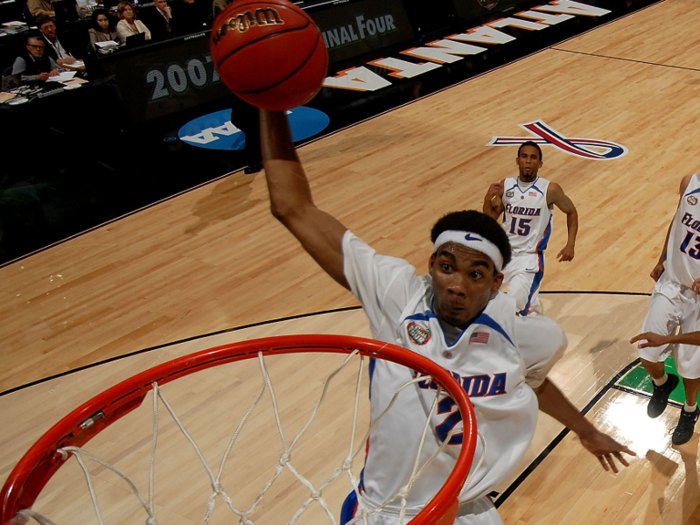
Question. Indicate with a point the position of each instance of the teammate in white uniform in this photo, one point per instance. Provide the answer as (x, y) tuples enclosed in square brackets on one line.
[(457, 317), (675, 303), (526, 203)]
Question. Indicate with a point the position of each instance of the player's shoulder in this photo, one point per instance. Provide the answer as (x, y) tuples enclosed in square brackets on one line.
[(689, 183), (362, 261), (539, 337)]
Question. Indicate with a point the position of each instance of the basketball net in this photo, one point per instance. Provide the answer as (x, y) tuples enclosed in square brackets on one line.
[(314, 492)]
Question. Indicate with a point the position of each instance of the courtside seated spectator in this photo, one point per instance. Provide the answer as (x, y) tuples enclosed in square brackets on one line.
[(85, 4), (39, 8), (103, 29), (160, 21), (54, 48), (128, 24), (34, 65)]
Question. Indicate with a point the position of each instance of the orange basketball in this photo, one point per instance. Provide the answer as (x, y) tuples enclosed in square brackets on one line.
[(269, 53)]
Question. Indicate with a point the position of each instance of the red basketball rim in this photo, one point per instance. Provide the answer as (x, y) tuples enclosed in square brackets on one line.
[(39, 464)]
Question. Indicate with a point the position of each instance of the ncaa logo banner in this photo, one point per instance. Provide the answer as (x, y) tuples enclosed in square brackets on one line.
[(544, 135), (216, 131)]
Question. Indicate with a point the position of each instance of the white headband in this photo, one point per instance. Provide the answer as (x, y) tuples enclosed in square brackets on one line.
[(474, 241)]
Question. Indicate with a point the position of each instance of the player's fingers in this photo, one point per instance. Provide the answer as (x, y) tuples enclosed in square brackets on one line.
[(638, 337), (622, 459), (602, 462), (611, 462)]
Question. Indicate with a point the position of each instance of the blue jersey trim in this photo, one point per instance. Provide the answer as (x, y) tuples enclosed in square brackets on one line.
[(425, 316), (694, 191), (535, 284), (542, 245), (534, 186)]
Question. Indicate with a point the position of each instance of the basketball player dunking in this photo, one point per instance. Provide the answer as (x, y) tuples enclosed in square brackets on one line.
[(457, 317), (526, 203)]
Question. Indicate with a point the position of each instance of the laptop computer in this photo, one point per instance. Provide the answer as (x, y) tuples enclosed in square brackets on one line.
[(136, 40)]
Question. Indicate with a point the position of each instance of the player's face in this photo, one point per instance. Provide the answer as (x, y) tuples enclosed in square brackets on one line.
[(529, 163), (463, 282)]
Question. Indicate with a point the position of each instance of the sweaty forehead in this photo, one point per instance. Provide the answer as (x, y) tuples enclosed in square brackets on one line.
[(463, 255)]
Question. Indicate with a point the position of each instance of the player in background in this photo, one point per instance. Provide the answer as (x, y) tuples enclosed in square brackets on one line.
[(457, 317), (675, 303), (526, 203)]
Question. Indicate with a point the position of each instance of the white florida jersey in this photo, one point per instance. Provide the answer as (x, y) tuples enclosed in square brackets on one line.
[(495, 358), (526, 217), (683, 251)]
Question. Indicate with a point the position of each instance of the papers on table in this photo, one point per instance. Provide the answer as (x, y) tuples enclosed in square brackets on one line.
[(63, 76)]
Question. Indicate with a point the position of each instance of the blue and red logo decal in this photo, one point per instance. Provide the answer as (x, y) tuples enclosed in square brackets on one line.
[(545, 135)]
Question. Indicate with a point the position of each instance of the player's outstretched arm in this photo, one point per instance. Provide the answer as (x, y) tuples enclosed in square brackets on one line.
[(556, 196), (652, 339), (291, 203), (553, 402), (493, 203)]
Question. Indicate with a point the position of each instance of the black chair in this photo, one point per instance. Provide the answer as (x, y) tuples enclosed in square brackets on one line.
[(28, 17)]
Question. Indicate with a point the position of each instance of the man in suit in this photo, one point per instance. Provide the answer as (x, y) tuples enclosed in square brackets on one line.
[(160, 21)]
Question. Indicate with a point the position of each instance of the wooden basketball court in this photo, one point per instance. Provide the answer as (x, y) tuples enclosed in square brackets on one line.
[(212, 266)]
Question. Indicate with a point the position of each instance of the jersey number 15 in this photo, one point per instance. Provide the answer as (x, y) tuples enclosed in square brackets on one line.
[(520, 226)]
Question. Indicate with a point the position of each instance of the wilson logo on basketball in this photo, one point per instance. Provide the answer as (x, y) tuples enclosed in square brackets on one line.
[(242, 22)]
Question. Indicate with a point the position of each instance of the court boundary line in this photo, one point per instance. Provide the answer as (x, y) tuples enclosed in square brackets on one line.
[(625, 59), (610, 385), (499, 499), (251, 325)]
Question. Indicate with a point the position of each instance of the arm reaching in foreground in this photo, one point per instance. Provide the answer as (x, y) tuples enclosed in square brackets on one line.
[(652, 339), (554, 403), (291, 203)]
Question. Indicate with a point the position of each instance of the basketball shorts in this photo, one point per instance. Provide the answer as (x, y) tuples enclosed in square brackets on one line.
[(673, 305), (479, 512), (522, 277)]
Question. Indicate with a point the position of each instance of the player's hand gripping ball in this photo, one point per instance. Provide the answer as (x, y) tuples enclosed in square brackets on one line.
[(269, 53)]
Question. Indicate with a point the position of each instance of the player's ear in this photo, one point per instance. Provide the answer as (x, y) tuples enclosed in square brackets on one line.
[(497, 281), (431, 262)]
